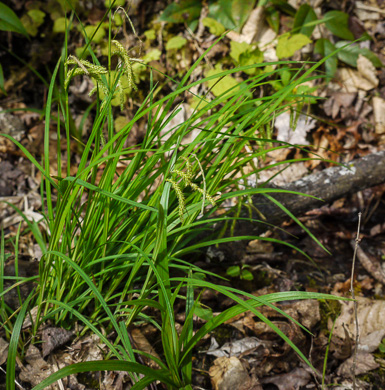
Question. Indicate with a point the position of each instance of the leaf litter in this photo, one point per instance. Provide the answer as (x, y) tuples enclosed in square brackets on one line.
[(352, 96)]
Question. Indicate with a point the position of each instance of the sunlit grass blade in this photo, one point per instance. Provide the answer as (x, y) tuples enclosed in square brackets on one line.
[(108, 365), (13, 343)]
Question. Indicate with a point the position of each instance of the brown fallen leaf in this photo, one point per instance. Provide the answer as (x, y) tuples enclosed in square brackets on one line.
[(333, 105), (37, 368), (364, 362), (143, 345), (351, 81), (252, 27), (367, 69), (379, 114), (371, 318), (229, 374), (370, 263), (293, 380), (3, 351), (247, 345), (53, 338)]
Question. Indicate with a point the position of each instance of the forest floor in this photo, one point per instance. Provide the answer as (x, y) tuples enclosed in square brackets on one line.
[(244, 353)]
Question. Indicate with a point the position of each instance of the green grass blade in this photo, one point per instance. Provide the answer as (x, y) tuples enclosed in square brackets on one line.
[(12, 349), (107, 365)]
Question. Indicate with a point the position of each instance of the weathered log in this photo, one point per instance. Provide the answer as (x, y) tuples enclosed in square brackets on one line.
[(329, 185)]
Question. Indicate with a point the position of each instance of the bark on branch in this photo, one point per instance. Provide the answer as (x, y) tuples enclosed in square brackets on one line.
[(329, 185)]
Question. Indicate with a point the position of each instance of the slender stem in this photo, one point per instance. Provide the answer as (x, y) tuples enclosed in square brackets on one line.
[(357, 240)]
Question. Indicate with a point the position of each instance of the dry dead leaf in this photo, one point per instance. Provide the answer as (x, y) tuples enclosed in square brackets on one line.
[(377, 229), (3, 351), (370, 263), (260, 246), (178, 120), (227, 373), (288, 173), (235, 348), (364, 362), (89, 348), (347, 384), (37, 368), (367, 69), (333, 105), (251, 28), (143, 345), (114, 380), (297, 135), (293, 380), (32, 316), (350, 80), (367, 12), (379, 114), (322, 145), (53, 338), (371, 318)]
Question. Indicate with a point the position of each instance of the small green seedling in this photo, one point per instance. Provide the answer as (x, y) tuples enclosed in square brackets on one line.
[(242, 272)]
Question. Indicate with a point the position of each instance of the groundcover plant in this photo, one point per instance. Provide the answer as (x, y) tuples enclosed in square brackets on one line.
[(114, 244)]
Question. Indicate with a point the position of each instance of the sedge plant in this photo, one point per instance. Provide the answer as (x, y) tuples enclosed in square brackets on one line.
[(115, 244)]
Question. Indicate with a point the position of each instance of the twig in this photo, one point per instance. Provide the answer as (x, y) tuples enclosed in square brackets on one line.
[(17, 383), (369, 8), (355, 302)]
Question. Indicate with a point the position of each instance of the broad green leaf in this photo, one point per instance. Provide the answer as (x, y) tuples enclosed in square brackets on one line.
[(285, 76), (118, 20), (231, 14), (68, 4), (10, 22), (119, 122), (247, 275), (97, 33), (204, 313), (214, 27), (221, 11), (82, 52), (233, 271), (237, 48), (37, 16), (153, 55), (337, 23), (59, 25), (185, 11), (220, 86), (240, 11), (283, 6), (349, 54), (245, 54), (150, 34), (115, 101), (176, 43), (115, 4), (304, 15), (193, 24), (32, 20), (325, 47), (249, 58), (287, 45)]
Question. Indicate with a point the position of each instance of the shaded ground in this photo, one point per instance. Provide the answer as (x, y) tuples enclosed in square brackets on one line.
[(244, 353)]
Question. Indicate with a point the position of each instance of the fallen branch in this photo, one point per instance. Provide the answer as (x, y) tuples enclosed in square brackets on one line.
[(329, 185)]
